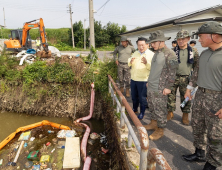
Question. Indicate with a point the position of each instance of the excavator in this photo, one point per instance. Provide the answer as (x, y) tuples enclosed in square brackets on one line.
[(20, 38)]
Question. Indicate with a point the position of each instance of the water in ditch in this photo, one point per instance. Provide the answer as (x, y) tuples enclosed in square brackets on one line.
[(10, 121)]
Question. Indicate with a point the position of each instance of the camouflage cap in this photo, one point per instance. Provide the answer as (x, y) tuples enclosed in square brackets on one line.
[(124, 38), (182, 34), (157, 36), (211, 27)]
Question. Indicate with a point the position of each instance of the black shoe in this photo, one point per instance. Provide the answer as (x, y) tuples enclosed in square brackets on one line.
[(198, 156), (208, 166)]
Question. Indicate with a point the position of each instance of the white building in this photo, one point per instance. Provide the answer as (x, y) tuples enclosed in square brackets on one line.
[(190, 21)]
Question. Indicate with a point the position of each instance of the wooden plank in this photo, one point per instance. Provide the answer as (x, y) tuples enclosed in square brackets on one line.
[(72, 153)]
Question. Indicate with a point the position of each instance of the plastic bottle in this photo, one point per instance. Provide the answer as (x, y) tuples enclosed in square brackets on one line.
[(53, 150), (25, 145), (50, 131), (187, 98)]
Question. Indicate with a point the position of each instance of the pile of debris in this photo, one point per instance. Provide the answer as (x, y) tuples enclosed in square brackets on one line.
[(43, 147)]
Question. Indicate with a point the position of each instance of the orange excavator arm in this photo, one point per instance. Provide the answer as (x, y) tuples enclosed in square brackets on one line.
[(33, 24)]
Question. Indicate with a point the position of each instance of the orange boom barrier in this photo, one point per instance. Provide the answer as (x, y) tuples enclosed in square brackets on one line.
[(28, 127)]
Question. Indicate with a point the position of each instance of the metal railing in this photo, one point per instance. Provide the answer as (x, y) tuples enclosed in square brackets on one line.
[(147, 161)]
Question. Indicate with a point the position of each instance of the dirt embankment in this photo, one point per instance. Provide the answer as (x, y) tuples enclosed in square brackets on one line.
[(52, 99), (68, 106)]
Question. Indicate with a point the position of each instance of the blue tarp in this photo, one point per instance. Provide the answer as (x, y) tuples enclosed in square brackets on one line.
[(31, 51)]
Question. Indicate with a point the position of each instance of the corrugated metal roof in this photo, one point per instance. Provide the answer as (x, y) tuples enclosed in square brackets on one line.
[(175, 19)]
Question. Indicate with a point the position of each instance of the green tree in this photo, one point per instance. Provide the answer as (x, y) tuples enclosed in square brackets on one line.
[(113, 29), (78, 34), (101, 36)]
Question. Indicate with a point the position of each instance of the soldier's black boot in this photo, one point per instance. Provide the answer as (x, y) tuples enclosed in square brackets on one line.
[(208, 166), (198, 156)]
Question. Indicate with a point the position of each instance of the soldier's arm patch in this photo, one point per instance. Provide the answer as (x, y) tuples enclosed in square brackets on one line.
[(173, 63)]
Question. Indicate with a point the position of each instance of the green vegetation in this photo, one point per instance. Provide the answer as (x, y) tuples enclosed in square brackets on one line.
[(40, 74), (105, 36)]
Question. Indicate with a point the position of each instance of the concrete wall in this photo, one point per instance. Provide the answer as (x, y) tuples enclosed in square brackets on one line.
[(170, 31)]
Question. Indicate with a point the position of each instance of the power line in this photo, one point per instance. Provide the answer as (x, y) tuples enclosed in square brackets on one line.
[(56, 18), (103, 5), (168, 7)]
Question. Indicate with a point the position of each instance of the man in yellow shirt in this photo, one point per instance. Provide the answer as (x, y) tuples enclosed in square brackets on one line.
[(140, 63)]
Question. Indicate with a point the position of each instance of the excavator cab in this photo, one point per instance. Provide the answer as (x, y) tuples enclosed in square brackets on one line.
[(15, 41)]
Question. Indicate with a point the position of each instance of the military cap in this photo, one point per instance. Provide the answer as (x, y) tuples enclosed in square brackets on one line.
[(210, 27), (182, 34), (124, 38), (157, 36)]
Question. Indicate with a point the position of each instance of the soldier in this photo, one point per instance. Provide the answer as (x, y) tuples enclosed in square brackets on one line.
[(187, 58), (140, 64), (207, 112), (162, 75), (124, 52)]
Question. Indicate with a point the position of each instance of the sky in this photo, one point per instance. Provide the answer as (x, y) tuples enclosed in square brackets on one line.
[(131, 13)]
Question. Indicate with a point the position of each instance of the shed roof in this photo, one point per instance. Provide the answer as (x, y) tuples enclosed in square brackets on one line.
[(179, 19)]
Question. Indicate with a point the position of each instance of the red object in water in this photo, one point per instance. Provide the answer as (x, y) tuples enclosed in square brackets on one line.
[(48, 144), (104, 150)]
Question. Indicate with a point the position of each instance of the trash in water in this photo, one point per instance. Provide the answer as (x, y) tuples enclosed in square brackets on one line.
[(28, 164), (91, 141), (24, 136), (103, 139), (95, 160), (61, 144), (54, 140), (25, 145), (66, 133), (48, 144), (50, 131), (94, 135), (53, 150), (34, 155), (32, 139), (43, 165), (44, 158), (36, 167), (104, 150), (78, 55), (1, 161)]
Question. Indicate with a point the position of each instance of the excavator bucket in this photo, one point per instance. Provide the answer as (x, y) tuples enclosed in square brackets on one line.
[(44, 54)]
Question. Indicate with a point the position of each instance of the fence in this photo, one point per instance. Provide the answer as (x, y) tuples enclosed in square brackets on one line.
[(147, 160)]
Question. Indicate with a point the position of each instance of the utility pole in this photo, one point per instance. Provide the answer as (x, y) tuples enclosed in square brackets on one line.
[(91, 24), (70, 11), (84, 34), (4, 16)]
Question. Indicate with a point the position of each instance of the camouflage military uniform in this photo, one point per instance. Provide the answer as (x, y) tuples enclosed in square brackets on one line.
[(124, 75), (181, 82), (156, 100), (207, 128), (182, 77), (123, 69)]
